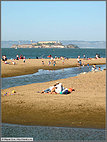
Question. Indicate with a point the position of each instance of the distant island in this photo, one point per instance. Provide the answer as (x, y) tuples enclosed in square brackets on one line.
[(44, 44)]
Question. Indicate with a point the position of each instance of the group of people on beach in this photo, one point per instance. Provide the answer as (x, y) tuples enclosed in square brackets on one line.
[(49, 63), (61, 57), (95, 69), (87, 58), (21, 57), (4, 59), (52, 60), (58, 88)]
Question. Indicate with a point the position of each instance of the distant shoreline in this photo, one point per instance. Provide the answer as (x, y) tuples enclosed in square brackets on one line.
[(44, 44), (57, 48), (80, 43)]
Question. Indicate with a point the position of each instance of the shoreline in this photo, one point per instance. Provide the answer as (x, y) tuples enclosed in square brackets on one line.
[(21, 125), (33, 65), (27, 107)]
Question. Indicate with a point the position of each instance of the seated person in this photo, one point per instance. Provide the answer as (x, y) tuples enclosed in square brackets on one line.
[(59, 88)]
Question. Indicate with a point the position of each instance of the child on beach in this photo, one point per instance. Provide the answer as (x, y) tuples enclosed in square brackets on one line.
[(54, 63), (49, 63), (88, 65), (99, 69), (17, 57), (78, 60), (24, 59), (84, 56), (93, 67), (63, 61), (42, 62), (83, 64), (80, 63)]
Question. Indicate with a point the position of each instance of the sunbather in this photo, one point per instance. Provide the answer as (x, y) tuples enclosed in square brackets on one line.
[(51, 89), (58, 89)]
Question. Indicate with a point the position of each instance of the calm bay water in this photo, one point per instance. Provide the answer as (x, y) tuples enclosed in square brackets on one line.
[(43, 53)]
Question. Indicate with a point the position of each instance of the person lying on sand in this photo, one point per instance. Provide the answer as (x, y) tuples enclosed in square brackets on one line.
[(55, 88), (58, 89)]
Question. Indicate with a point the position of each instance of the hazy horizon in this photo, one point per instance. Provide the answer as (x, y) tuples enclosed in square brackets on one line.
[(57, 40)]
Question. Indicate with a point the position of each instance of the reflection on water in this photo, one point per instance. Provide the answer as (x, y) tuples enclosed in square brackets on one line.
[(52, 133), (45, 76)]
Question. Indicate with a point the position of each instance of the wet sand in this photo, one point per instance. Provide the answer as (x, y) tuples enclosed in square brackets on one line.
[(32, 65), (85, 107)]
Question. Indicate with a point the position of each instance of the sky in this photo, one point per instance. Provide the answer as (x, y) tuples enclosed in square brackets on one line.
[(53, 20)]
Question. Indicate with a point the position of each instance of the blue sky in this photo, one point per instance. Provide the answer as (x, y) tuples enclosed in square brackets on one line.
[(54, 20)]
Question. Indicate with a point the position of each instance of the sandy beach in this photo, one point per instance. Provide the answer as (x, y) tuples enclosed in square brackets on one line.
[(32, 65), (85, 107), (53, 71)]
